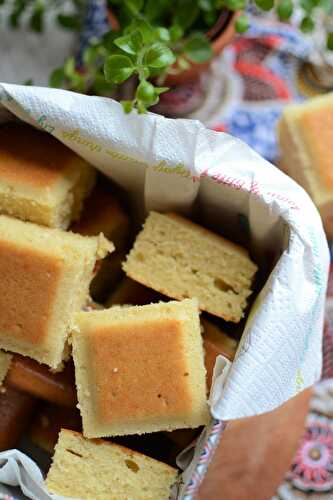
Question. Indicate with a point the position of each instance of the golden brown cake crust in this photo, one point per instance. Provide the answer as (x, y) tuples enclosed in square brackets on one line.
[(315, 124), (122, 366), (29, 280), (31, 157)]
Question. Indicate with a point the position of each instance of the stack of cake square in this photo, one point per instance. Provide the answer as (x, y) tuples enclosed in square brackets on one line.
[(45, 271), (140, 364)]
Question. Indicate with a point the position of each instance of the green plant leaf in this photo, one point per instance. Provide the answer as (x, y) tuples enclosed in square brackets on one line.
[(307, 24), (100, 86), (242, 23), (235, 5), (77, 82), (131, 43), (329, 41), (108, 39), (16, 14), (90, 55), (206, 5), (141, 107), (28, 82), (183, 63), (186, 13), (163, 34), (176, 32), (127, 106), (69, 67), (144, 73), (265, 4), (69, 21), (285, 9), (154, 72), (326, 5), (159, 56), (307, 5), (118, 68), (160, 90), (145, 92), (210, 18), (148, 33), (57, 78), (134, 5), (156, 10), (36, 20), (198, 49), (13, 20)]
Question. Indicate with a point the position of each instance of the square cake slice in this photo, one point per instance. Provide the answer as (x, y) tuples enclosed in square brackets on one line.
[(140, 369), (45, 276), (100, 470), (305, 133), (41, 180), (181, 259)]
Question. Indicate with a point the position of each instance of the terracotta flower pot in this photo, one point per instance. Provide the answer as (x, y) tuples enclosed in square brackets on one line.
[(220, 35)]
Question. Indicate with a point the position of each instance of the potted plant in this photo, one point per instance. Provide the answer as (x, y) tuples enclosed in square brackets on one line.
[(158, 43)]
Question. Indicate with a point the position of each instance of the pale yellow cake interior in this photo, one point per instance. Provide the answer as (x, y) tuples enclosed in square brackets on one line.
[(181, 259), (140, 369), (305, 135), (100, 470), (41, 180), (45, 276)]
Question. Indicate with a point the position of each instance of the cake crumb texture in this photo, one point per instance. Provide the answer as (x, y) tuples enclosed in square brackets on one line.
[(180, 259), (140, 369), (100, 470), (41, 180), (45, 277)]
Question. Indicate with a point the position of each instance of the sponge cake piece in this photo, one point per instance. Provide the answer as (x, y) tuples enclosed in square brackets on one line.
[(45, 276), (100, 470), (140, 369), (180, 259), (41, 180), (305, 134)]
